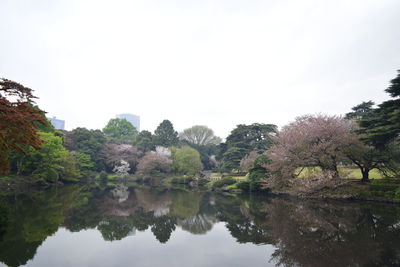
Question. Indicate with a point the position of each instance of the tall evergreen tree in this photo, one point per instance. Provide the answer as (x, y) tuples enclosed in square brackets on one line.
[(165, 135), (384, 124)]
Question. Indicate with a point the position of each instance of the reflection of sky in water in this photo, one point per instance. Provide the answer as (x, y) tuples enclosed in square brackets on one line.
[(88, 248)]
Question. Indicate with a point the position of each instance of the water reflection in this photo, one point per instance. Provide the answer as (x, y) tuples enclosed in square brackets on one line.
[(303, 233)]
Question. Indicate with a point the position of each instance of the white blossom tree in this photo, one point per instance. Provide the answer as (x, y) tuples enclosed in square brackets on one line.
[(122, 169)]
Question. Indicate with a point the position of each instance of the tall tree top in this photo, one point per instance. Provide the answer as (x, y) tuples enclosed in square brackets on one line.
[(200, 135), (165, 135), (394, 88)]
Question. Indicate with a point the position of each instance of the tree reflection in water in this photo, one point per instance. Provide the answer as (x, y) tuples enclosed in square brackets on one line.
[(304, 233)]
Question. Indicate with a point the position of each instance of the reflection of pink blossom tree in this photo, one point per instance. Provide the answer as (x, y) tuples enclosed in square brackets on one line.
[(319, 140)]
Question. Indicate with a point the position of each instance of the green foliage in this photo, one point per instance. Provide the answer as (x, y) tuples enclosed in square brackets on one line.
[(84, 161), (383, 125), (186, 160), (70, 172), (244, 185), (165, 135), (223, 182), (232, 158), (361, 111), (85, 141), (181, 180), (47, 163), (397, 194), (244, 139), (383, 187), (120, 131), (258, 172), (202, 182), (103, 176), (145, 142)]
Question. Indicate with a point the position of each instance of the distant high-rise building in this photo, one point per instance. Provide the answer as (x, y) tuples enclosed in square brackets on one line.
[(57, 124), (133, 119)]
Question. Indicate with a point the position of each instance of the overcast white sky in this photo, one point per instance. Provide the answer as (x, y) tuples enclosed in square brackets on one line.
[(215, 63)]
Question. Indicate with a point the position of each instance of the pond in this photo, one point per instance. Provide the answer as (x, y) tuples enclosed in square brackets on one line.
[(74, 226)]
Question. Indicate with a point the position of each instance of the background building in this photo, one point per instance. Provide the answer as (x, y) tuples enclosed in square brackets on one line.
[(58, 124), (133, 119)]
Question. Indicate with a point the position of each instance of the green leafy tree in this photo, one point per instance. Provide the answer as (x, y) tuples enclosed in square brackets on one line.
[(85, 141), (84, 161), (145, 142), (120, 131), (257, 172), (165, 135), (70, 171), (244, 139), (45, 164), (186, 160), (204, 141), (379, 129)]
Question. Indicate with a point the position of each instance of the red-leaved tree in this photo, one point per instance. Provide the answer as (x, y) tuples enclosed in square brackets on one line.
[(18, 121)]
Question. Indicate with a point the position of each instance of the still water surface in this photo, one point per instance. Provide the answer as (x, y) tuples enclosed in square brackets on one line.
[(71, 226)]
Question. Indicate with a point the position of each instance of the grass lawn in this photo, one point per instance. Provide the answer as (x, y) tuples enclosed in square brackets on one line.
[(349, 172)]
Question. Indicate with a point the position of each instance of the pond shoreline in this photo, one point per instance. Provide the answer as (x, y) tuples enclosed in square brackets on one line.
[(351, 191)]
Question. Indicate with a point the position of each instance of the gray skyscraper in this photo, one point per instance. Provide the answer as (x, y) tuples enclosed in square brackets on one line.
[(133, 119)]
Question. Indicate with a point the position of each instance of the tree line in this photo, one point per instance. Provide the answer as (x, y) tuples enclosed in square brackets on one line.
[(367, 137)]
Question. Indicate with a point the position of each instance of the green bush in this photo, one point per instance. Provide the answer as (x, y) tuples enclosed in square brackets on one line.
[(244, 185), (202, 182), (224, 182), (397, 194), (181, 180), (383, 187), (375, 182)]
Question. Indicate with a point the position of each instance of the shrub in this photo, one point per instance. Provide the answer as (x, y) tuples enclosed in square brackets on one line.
[(244, 185), (186, 160), (103, 176), (375, 182), (202, 182), (397, 194), (181, 180), (224, 182), (383, 187)]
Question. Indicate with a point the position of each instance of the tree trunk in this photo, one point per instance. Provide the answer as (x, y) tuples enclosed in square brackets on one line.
[(331, 171), (365, 174)]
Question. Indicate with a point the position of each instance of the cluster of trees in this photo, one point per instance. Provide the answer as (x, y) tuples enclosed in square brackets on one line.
[(165, 151), (30, 146), (367, 137)]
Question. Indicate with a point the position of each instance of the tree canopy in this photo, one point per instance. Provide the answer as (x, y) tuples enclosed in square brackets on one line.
[(383, 125), (200, 135), (165, 135), (19, 120), (186, 160), (244, 139), (120, 131)]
